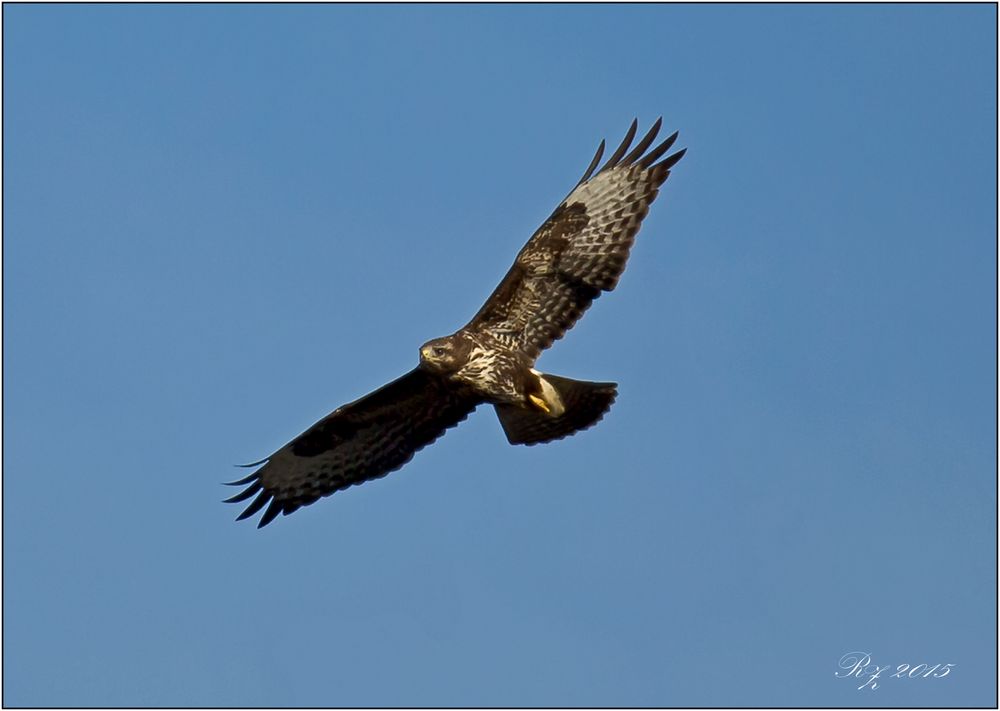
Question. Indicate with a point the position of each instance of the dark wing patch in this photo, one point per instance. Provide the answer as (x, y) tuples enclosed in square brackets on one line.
[(580, 251), (364, 440)]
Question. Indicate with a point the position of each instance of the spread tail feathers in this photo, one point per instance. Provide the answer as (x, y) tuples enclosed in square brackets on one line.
[(584, 404)]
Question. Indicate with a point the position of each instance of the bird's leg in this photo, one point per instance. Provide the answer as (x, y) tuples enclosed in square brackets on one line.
[(539, 403)]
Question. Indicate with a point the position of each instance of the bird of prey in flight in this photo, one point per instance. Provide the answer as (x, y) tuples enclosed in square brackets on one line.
[(578, 253)]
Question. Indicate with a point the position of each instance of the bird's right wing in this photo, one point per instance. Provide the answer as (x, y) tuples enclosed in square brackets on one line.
[(581, 250), (363, 440)]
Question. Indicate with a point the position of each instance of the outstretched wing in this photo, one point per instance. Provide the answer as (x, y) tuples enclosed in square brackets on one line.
[(364, 440), (580, 251)]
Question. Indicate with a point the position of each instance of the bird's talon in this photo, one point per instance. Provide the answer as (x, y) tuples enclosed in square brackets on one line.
[(540, 404)]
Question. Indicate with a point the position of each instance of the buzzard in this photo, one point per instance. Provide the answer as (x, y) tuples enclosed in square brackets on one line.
[(578, 253)]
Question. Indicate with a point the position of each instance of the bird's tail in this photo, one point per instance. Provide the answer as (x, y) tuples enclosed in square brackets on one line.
[(582, 404)]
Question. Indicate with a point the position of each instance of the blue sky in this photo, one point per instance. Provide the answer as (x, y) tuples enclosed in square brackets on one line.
[(222, 222)]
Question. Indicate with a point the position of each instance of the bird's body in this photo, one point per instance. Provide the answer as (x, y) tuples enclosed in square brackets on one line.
[(577, 254), (498, 374)]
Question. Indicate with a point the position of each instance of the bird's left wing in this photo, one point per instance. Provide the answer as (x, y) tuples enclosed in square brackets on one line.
[(363, 440), (581, 250)]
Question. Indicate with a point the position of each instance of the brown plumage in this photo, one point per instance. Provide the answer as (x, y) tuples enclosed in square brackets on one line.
[(578, 253)]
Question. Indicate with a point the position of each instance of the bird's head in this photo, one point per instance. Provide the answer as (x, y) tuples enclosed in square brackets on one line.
[(444, 355)]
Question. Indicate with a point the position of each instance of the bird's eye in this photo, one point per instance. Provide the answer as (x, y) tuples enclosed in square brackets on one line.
[(437, 351)]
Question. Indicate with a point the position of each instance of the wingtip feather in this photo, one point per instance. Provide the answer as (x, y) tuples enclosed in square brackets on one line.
[(244, 495), (252, 464), (670, 161), (646, 141), (272, 510), (655, 154), (255, 506), (241, 482), (623, 148), (593, 164)]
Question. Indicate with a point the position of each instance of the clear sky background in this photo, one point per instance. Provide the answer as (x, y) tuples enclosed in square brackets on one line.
[(220, 223)]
